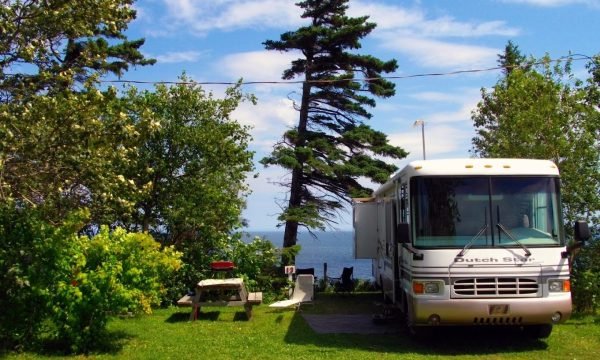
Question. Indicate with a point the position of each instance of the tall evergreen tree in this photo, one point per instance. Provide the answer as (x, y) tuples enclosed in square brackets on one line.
[(63, 43), (331, 146)]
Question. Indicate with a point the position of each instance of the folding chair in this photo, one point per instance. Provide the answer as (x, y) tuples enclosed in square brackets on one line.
[(303, 293), (346, 282)]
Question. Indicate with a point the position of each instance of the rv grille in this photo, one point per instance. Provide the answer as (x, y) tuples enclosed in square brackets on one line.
[(496, 287), (497, 320)]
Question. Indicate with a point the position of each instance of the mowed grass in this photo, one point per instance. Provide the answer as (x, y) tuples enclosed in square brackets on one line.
[(225, 333)]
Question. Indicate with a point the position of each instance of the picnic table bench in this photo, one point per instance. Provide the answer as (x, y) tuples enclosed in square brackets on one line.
[(227, 292)]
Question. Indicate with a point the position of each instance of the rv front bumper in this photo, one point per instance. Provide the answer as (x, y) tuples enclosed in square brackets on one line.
[(497, 311)]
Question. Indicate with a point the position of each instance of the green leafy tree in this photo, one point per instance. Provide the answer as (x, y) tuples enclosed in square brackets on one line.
[(544, 115), (55, 44), (62, 140), (193, 166), (331, 147), (190, 172), (543, 112), (66, 151)]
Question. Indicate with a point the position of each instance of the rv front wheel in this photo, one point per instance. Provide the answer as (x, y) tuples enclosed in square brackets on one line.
[(538, 331), (420, 332)]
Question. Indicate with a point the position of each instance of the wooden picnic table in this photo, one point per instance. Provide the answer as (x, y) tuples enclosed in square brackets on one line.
[(226, 292)]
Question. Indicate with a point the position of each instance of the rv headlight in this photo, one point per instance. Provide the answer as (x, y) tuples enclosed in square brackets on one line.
[(428, 287), (558, 285)]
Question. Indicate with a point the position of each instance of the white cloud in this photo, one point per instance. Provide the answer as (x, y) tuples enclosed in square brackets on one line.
[(268, 119), (437, 97), (411, 31), (179, 57), (439, 54), (448, 27), (462, 102), (257, 65), (387, 16), (440, 141), (203, 16), (411, 22), (461, 114)]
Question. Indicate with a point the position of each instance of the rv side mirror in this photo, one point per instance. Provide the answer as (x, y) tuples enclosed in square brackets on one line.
[(403, 234), (582, 231)]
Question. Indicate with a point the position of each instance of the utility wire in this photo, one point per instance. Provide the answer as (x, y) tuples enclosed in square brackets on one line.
[(573, 57)]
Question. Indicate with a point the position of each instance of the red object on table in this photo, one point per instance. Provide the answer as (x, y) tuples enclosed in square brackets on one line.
[(222, 265)]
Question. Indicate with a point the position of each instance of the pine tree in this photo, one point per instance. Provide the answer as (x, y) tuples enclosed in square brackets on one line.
[(331, 146), (511, 59), (63, 44)]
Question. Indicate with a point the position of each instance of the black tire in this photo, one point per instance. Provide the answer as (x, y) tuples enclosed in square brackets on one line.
[(420, 332), (538, 331)]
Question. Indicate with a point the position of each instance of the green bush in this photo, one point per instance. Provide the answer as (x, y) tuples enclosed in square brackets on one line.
[(257, 261), (61, 287), (586, 279)]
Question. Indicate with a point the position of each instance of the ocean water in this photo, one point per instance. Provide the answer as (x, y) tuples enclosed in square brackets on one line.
[(332, 247)]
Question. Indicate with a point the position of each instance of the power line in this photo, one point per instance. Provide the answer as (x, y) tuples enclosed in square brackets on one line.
[(573, 57)]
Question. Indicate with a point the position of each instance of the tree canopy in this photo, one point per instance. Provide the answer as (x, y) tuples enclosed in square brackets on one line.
[(56, 44), (331, 147), (543, 112), (191, 169)]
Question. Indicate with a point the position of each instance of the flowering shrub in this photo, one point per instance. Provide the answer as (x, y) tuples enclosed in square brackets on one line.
[(62, 287)]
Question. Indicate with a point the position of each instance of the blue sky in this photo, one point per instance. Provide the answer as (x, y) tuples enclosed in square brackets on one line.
[(221, 40)]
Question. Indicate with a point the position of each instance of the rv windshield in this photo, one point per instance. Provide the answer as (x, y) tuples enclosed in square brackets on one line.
[(450, 212)]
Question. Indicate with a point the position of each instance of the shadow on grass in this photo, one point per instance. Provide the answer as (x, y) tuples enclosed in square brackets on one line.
[(109, 343), (444, 341), (478, 341), (180, 317)]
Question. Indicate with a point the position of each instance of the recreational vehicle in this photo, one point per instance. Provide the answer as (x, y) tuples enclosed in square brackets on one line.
[(470, 242)]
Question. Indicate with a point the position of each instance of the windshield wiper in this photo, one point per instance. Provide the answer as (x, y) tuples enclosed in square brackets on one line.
[(510, 235), (472, 241)]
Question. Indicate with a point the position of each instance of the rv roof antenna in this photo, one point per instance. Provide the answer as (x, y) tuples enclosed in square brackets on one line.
[(422, 124)]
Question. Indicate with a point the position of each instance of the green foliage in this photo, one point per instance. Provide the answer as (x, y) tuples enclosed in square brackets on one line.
[(63, 42), (586, 279), (61, 287), (258, 262), (66, 151), (544, 115), (190, 171), (62, 141), (331, 147), (512, 58), (192, 166), (544, 112)]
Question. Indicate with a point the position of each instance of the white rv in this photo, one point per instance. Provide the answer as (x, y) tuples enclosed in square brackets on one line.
[(470, 242)]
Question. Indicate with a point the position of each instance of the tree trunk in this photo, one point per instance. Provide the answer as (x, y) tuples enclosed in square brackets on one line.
[(290, 235)]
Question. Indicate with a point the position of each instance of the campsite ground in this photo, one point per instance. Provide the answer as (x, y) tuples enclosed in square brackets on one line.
[(225, 333)]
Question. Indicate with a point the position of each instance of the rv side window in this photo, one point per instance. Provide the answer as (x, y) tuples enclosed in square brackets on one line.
[(404, 214)]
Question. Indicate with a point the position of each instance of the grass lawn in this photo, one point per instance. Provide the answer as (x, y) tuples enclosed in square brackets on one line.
[(225, 333)]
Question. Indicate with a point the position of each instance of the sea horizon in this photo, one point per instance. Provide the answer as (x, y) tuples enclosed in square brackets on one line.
[(335, 248)]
